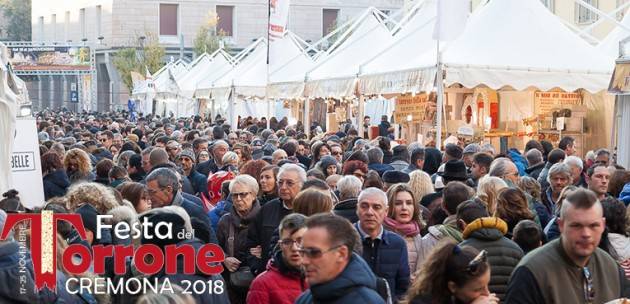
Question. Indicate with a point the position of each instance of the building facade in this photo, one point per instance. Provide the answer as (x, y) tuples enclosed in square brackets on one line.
[(108, 25)]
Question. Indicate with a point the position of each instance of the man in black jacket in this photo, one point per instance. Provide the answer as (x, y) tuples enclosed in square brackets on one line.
[(291, 177), (487, 233)]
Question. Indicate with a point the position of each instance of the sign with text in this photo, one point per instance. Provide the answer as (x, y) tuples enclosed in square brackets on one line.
[(45, 58), (545, 102), (415, 109), (26, 167), (620, 82)]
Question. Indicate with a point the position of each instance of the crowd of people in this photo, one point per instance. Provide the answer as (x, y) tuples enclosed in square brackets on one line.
[(335, 217)]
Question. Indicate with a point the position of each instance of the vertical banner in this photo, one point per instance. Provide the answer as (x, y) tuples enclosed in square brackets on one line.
[(26, 168), (278, 17)]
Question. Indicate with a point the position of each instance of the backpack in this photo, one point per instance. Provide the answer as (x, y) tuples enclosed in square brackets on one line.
[(215, 180)]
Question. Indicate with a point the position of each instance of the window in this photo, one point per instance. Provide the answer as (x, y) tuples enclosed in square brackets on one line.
[(53, 27), (550, 4), (168, 20), (585, 15), (66, 26), (82, 22), (225, 24), (621, 13), (329, 20), (41, 28), (98, 21)]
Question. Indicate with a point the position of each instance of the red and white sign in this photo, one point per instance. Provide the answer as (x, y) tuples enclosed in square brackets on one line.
[(278, 17)]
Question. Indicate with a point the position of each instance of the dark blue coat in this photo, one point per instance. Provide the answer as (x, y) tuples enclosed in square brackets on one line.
[(199, 182), (388, 259), (355, 284), (200, 220), (56, 184), (380, 168)]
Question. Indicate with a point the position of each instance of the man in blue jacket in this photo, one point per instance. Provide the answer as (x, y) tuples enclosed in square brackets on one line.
[(164, 190), (384, 251), (333, 272)]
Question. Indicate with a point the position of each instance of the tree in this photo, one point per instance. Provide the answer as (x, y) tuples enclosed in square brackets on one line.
[(18, 14), (136, 59), (208, 39)]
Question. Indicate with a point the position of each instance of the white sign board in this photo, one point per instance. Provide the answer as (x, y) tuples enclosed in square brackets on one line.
[(26, 164)]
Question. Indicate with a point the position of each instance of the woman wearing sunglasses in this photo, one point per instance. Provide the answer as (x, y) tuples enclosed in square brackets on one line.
[(452, 275)]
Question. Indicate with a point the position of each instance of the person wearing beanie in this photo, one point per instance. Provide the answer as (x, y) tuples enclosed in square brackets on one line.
[(197, 180), (392, 177), (328, 165)]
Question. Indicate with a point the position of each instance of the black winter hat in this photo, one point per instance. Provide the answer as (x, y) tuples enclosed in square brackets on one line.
[(395, 177)]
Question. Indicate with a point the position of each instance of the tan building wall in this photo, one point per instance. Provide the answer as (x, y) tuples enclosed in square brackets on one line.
[(123, 21)]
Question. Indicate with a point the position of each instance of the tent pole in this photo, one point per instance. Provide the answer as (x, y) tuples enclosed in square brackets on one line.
[(440, 99), (232, 107), (361, 115), (307, 117)]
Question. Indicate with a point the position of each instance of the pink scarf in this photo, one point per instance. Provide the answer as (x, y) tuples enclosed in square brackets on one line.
[(410, 229)]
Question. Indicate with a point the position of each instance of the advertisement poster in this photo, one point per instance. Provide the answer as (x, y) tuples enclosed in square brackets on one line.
[(46, 58)]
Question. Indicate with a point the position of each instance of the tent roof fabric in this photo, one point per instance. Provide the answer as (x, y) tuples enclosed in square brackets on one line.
[(521, 53), (610, 45), (398, 69), (249, 76), (221, 64), (335, 74), (288, 65)]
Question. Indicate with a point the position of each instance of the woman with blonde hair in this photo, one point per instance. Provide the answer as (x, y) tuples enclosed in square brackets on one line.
[(78, 166), (420, 184), (488, 190), (404, 218), (99, 196)]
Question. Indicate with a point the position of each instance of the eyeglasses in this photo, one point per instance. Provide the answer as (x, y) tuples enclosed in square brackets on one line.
[(289, 242), (289, 183), (336, 153), (589, 291), (473, 266), (242, 194), (315, 253)]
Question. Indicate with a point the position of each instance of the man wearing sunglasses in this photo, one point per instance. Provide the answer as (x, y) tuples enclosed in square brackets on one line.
[(383, 250), (334, 272), (571, 269)]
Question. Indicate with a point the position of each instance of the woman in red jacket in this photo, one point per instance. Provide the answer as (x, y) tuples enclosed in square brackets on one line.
[(283, 281)]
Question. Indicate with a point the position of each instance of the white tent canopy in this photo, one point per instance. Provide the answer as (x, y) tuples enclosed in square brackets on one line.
[(521, 44), (610, 45), (289, 63), (221, 63), (164, 81), (398, 69), (187, 82), (336, 74), (249, 77)]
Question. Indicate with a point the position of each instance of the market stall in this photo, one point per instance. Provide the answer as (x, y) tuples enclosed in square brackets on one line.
[(495, 68)]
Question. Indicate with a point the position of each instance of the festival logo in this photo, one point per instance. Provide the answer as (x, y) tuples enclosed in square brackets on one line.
[(77, 259)]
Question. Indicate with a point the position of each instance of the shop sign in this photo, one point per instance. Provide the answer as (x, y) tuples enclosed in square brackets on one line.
[(415, 109), (545, 102)]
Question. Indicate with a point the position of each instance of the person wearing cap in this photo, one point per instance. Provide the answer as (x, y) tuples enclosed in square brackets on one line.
[(392, 177), (197, 180), (468, 153)]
